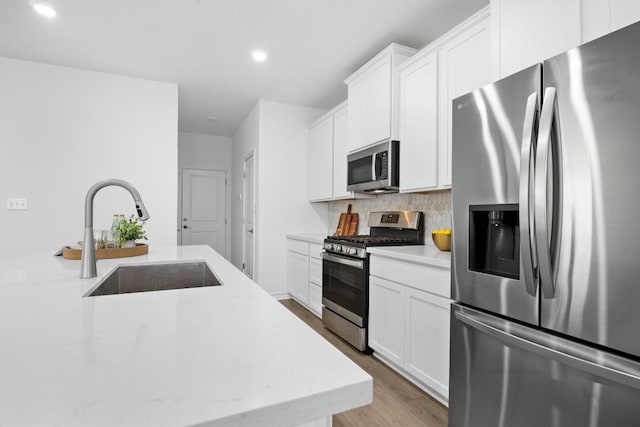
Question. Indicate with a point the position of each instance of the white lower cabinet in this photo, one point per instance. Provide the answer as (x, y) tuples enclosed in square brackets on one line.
[(298, 276), (315, 281), (408, 326), (427, 339), (386, 320), (304, 274)]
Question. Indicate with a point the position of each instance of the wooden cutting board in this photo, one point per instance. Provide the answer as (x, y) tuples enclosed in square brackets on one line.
[(343, 223), (353, 225)]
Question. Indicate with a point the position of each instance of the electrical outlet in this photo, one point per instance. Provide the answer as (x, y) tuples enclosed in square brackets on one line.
[(17, 205)]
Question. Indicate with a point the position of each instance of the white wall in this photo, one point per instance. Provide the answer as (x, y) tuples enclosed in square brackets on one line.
[(245, 140), (198, 151), (281, 172), (64, 129)]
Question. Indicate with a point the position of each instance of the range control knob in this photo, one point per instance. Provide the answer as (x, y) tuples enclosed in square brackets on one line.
[(353, 251), (337, 248), (328, 246)]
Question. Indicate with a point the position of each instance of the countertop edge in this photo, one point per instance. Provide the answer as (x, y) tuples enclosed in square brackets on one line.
[(331, 401), (405, 254), (316, 238)]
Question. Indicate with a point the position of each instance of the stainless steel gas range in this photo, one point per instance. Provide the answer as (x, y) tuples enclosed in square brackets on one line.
[(345, 271)]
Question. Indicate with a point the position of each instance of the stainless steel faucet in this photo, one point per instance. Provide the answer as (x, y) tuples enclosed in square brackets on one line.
[(88, 268)]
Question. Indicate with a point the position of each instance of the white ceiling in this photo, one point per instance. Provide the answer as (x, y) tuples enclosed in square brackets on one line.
[(204, 45)]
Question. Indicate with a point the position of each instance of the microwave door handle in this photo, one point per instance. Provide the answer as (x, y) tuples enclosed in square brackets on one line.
[(541, 192), (374, 177), (527, 237), (378, 166)]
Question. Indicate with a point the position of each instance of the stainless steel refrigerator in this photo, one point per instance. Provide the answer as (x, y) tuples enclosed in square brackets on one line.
[(546, 250)]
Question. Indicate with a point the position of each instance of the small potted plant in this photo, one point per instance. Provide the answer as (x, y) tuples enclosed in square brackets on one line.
[(129, 230)]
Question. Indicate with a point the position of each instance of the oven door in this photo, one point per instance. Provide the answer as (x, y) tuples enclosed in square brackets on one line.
[(344, 287)]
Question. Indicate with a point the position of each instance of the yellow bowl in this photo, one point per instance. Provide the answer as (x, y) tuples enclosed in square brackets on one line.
[(442, 241)]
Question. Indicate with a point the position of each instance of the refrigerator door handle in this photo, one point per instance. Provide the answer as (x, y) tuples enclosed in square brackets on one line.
[(527, 237), (575, 359), (540, 192)]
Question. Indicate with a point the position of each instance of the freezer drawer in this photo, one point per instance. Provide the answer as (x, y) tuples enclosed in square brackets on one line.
[(506, 374)]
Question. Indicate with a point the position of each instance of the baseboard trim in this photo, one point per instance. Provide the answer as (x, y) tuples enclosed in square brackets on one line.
[(424, 387)]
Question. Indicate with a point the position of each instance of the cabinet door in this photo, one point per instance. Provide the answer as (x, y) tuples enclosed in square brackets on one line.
[(419, 125), (315, 271), (340, 126), (604, 16), (465, 65), (531, 31), (315, 299), (357, 126), (320, 161), (298, 276), (386, 319), (623, 13), (427, 339), (379, 101)]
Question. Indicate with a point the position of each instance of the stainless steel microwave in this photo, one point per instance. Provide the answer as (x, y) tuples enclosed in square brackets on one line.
[(374, 169)]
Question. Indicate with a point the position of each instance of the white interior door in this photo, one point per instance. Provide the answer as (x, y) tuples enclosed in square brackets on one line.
[(249, 216), (204, 208)]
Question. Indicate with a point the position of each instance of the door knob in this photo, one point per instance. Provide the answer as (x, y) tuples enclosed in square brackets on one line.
[(185, 227), (250, 231)]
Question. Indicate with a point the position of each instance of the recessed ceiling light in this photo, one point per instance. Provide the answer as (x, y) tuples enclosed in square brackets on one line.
[(44, 10), (259, 55), (212, 118)]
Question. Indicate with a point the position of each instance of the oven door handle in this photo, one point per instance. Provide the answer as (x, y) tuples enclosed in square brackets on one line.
[(359, 264)]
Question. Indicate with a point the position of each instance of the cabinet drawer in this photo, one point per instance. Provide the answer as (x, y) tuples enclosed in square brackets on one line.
[(431, 279), (315, 250), (298, 246), (315, 271)]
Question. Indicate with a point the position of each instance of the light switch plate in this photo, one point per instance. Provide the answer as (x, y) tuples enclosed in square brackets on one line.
[(17, 204)]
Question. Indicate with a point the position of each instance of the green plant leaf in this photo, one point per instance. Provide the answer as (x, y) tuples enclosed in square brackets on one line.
[(131, 229)]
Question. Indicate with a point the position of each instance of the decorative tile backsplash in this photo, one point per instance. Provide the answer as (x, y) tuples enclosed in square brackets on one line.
[(435, 206)]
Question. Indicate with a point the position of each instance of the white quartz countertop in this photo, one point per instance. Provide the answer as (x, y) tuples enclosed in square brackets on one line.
[(316, 238), (226, 355), (427, 255)]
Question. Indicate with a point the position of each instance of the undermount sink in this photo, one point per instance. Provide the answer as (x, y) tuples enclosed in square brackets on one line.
[(155, 277)]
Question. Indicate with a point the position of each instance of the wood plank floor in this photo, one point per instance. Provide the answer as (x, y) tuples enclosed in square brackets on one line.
[(396, 402)]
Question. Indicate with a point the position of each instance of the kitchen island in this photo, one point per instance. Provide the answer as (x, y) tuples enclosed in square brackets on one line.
[(222, 355)]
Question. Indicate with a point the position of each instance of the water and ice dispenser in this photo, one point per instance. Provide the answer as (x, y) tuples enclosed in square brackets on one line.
[(494, 240)]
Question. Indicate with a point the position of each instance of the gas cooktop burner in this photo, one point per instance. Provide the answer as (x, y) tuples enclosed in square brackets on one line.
[(391, 228)]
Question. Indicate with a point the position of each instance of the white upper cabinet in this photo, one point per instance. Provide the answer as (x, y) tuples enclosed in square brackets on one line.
[(372, 94), (419, 123), (358, 109), (320, 160), (604, 16), (465, 65), (527, 32), (340, 124), (458, 62), (379, 100), (327, 157)]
